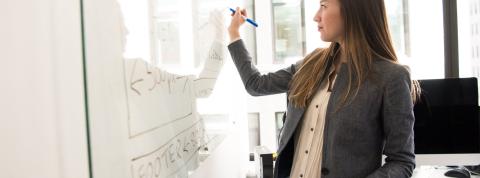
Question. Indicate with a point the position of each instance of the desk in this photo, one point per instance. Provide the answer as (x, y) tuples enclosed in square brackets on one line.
[(433, 172)]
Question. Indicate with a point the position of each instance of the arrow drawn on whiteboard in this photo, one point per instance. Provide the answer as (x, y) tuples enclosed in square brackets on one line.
[(133, 82), (133, 88)]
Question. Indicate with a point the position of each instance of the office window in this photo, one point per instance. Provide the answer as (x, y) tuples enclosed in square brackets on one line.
[(181, 33), (398, 20), (250, 33), (165, 29), (253, 131), (288, 21), (418, 41), (468, 38)]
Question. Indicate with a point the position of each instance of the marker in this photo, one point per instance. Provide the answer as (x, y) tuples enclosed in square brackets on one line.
[(247, 19)]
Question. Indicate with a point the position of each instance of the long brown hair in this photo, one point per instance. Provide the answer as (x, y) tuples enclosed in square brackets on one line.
[(366, 38)]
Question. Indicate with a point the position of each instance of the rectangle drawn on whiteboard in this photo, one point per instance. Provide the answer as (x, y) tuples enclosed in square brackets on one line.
[(179, 153), (155, 98)]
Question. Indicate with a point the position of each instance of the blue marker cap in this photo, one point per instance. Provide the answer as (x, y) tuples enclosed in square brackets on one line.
[(246, 19)]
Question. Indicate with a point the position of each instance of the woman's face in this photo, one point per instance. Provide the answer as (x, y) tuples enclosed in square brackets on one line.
[(329, 21)]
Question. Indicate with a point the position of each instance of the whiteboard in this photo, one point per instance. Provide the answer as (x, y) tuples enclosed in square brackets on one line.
[(147, 62)]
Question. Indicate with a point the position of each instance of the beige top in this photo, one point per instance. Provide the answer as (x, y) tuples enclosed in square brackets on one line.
[(307, 160)]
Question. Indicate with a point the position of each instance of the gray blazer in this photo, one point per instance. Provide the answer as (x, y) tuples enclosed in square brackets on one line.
[(379, 120)]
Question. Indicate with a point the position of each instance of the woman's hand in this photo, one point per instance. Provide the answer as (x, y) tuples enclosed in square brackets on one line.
[(237, 21)]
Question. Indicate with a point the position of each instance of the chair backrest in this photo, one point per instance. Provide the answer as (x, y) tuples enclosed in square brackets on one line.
[(447, 117)]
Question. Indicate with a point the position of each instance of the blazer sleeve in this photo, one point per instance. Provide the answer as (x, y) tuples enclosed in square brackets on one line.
[(255, 83), (398, 120)]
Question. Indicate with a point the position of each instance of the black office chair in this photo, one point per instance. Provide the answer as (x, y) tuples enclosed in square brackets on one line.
[(447, 117)]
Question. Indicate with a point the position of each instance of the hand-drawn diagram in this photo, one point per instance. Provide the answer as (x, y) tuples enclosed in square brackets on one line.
[(156, 98), (165, 134)]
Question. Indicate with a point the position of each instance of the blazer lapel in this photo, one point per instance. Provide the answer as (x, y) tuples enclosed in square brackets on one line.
[(341, 83), (295, 115)]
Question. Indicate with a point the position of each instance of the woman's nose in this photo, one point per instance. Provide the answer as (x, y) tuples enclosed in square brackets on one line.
[(317, 17)]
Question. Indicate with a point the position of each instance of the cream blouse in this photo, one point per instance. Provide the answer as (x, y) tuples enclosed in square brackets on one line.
[(307, 160)]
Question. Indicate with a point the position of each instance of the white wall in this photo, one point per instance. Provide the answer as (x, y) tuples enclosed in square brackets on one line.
[(42, 103)]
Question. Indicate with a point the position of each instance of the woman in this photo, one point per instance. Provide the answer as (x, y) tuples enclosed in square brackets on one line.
[(347, 104)]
